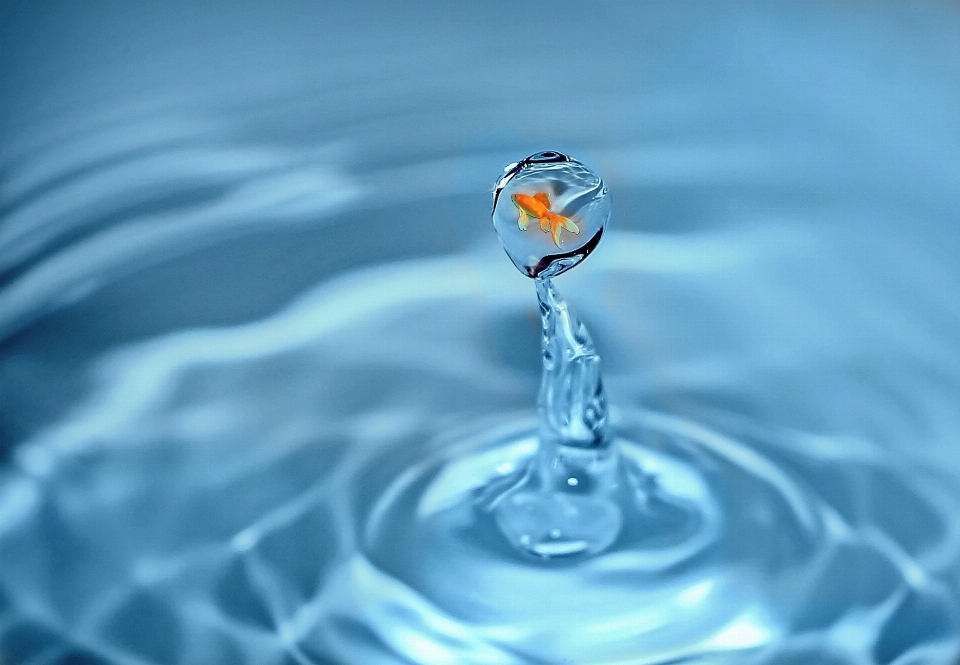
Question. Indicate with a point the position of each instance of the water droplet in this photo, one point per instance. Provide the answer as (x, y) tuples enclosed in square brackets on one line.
[(549, 211)]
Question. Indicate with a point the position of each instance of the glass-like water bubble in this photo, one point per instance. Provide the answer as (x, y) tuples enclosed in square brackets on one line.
[(549, 211)]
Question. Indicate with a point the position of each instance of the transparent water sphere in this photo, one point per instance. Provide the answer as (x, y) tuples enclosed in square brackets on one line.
[(549, 211)]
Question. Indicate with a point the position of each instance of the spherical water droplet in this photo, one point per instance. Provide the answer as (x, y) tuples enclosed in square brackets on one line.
[(549, 211)]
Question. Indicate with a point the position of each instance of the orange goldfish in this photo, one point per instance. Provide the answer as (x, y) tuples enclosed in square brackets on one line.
[(538, 206)]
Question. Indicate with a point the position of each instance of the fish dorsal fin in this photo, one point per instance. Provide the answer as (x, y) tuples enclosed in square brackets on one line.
[(542, 198)]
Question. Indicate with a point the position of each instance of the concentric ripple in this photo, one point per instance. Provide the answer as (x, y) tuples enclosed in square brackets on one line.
[(312, 487), (730, 557)]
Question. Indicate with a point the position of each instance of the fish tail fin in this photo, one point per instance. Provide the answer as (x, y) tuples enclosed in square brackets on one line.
[(570, 226), (545, 224), (555, 231)]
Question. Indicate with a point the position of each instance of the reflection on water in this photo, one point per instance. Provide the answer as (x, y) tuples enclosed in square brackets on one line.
[(250, 296)]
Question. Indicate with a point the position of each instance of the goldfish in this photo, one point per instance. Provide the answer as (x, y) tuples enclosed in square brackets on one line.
[(538, 206)]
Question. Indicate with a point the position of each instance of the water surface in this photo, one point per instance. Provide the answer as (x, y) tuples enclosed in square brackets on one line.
[(248, 281)]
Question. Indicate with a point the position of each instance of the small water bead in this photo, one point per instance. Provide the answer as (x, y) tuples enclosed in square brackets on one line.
[(549, 211)]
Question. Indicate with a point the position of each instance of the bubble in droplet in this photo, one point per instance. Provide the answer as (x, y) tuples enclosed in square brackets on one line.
[(549, 211)]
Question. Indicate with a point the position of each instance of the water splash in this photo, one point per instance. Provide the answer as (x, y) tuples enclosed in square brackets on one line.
[(288, 517), (564, 501)]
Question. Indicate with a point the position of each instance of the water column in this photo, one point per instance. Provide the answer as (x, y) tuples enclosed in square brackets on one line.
[(550, 212)]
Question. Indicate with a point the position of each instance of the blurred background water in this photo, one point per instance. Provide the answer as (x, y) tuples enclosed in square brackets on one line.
[(248, 277)]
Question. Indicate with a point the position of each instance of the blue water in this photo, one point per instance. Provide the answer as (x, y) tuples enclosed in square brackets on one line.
[(258, 333)]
